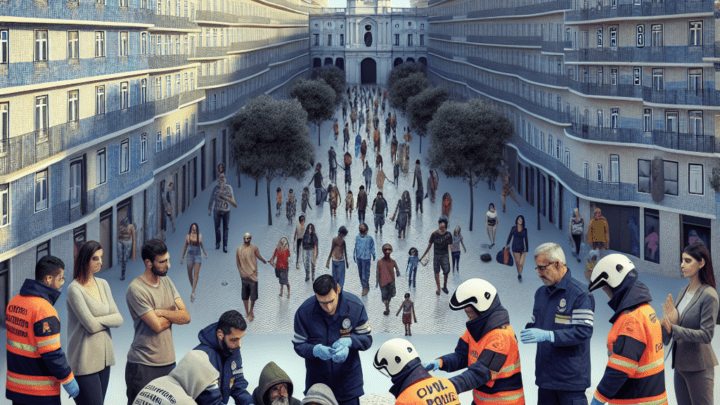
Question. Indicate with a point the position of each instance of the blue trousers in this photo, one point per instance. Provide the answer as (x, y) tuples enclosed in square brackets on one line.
[(225, 217), (456, 260), (318, 195), (338, 272), (412, 276), (364, 271)]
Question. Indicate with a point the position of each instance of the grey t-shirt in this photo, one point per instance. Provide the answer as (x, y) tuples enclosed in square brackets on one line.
[(150, 348)]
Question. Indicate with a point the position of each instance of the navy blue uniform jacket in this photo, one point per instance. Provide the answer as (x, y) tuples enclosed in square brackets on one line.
[(567, 309), (229, 364), (314, 326)]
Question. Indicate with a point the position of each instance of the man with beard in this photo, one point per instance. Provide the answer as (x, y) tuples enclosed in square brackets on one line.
[(155, 306), (221, 341), (274, 387)]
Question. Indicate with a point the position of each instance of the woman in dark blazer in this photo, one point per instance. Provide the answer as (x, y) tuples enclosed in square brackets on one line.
[(691, 323)]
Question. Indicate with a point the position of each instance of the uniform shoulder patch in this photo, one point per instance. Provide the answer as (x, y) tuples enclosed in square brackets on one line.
[(47, 327)]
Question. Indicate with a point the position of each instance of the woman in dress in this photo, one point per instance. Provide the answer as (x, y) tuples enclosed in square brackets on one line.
[(282, 253), (91, 313), (691, 323), (491, 223), (193, 240), (404, 206), (291, 206), (518, 235), (310, 248)]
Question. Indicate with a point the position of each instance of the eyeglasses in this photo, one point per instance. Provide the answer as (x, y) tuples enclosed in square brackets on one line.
[(543, 268)]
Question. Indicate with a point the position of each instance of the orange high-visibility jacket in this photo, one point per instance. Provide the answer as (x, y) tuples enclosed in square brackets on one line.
[(36, 363), (429, 391), (635, 348)]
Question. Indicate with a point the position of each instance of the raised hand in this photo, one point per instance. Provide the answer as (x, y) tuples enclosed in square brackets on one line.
[(669, 309)]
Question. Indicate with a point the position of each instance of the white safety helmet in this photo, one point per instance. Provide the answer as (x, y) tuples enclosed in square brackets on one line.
[(394, 355), (611, 270), (476, 292)]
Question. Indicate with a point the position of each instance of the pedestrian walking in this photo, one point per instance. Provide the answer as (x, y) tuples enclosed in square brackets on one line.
[(598, 235), (193, 245), (290, 206), (386, 276), (298, 238), (338, 254), (367, 174), (220, 201), (126, 244), (332, 165), (507, 190), (380, 211), (310, 250), (362, 255), (305, 200), (349, 202), (432, 185), (396, 174), (457, 240), (412, 265), (334, 199), (246, 257), (282, 254), (446, 205), (347, 162), (404, 206), (336, 129), (491, 223), (419, 196), (361, 204), (393, 149), (358, 144), (346, 137), (577, 226), (278, 201), (167, 203), (518, 236), (317, 179), (441, 242), (408, 308), (417, 175), (380, 179)]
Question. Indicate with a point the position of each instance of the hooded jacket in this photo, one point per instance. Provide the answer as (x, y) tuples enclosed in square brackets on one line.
[(414, 386), (635, 371), (34, 355), (489, 351), (270, 376), (193, 375), (228, 363), (320, 394)]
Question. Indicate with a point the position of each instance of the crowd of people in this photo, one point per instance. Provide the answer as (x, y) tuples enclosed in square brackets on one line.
[(332, 326)]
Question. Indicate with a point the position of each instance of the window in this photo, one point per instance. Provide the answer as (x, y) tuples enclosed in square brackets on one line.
[(613, 76), (43, 250), (657, 35), (329, 40), (599, 118), (4, 204), (422, 39), (4, 125), (168, 137), (550, 145), (586, 170), (143, 148), (158, 10), (177, 132), (143, 91), (542, 141), (637, 76), (614, 118), (124, 95), (567, 157), (99, 1), (410, 40), (599, 78), (73, 45), (670, 170), (192, 80), (671, 121), (41, 113), (558, 149), (397, 39), (123, 3), (158, 45), (658, 82), (614, 175), (644, 173), (695, 33), (695, 82), (168, 86), (125, 156), (99, 99), (4, 47), (158, 88), (695, 179), (73, 105), (695, 123), (41, 190), (124, 44), (640, 36), (647, 120), (75, 182), (613, 37), (99, 44), (158, 142), (599, 173), (101, 167), (41, 45), (599, 38), (177, 84)]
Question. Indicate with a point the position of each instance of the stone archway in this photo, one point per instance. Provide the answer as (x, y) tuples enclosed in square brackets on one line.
[(368, 71), (398, 61), (340, 63), (328, 62), (410, 60), (317, 62), (423, 61)]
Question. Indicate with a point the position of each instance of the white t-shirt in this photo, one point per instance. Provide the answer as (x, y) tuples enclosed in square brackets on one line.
[(492, 216), (684, 302)]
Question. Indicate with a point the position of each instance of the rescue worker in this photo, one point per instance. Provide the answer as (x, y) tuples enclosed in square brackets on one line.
[(635, 372), (488, 348), (330, 330), (412, 384), (36, 364), (561, 325)]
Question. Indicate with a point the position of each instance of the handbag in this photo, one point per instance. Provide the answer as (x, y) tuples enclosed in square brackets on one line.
[(504, 257)]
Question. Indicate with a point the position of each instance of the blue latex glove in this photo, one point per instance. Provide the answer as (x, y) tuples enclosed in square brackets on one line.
[(433, 365), (72, 388), (340, 354), (595, 401), (322, 352), (346, 341), (535, 335)]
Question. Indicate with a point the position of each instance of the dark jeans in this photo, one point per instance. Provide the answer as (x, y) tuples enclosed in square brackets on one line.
[(576, 239), (364, 271), (354, 401), (225, 217), (456, 260), (92, 387), (338, 272), (554, 397), (298, 249), (361, 216), (333, 174), (318, 195), (137, 376)]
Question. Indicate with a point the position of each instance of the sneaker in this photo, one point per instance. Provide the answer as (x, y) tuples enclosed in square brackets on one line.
[(386, 313), (519, 277), (122, 277), (217, 246), (578, 259), (192, 297), (225, 249), (445, 290), (307, 278), (365, 291)]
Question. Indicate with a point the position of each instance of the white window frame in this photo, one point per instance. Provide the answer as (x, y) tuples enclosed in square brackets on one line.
[(615, 118), (658, 79), (124, 42), (143, 43), (101, 167), (143, 91), (613, 37), (5, 205), (4, 47), (640, 35), (143, 147), (614, 169), (567, 158), (696, 179), (41, 45), (158, 88), (73, 101), (599, 173), (695, 79), (125, 156), (158, 142), (647, 120), (99, 44), (672, 121), (41, 191), (637, 76), (657, 35), (41, 113), (99, 100), (4, 125), (75, 183), (695, 34), (73, 44), (695, 123), (586, 170), (124, 95), (613, 76)]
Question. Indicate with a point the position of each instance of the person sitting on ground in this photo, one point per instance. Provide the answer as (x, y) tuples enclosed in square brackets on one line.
[(274, 387), (319, 394)]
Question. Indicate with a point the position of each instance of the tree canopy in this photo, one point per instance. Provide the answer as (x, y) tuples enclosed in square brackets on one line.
[(467, 140), (404, 70), (422, 107), (404, 88), (269, 139), (317, 99), (333, 76)]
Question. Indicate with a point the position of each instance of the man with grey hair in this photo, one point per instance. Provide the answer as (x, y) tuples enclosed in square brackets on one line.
[(561, 325)]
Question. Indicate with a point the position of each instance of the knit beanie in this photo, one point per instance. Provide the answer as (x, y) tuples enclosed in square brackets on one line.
[(320, 394)]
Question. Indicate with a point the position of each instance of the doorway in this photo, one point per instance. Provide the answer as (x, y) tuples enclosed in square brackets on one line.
[(106, 238), (368, 71), (551, 198)]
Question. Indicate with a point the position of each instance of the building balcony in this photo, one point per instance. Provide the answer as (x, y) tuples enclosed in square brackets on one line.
[(82, 11), (669, 140), (646, 9), (292, 5), (700, 97), (535, 41), (226, 79), (607, 90), (247, 45), (167, 61), (204, 16), (433, 35), (532, 75), (28, 73), (171, 22), (655, 54), (202, 52), (172, 152)]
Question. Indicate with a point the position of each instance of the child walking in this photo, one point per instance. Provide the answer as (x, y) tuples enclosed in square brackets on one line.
[(411, 270), (349, 202), (455, 249), (408, 308), (282, 253)]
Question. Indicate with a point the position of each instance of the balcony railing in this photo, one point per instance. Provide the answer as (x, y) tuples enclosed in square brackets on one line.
[(191, 96), (167, 61), (205, 81), (654, 54), (84, 11), (211, 51), (668, 140), (533, 75), (246, 45), (216, 16), (172, 152), (506, 40), (646, 9), (406, 11), (174, 22), (594, 89), (700, 97)]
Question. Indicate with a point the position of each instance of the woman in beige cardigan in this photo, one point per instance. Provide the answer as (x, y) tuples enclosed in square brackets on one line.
[(691, 323), (91, 314)]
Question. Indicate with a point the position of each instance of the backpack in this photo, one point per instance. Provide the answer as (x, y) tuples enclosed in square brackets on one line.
[(505, 257), (486, 257)]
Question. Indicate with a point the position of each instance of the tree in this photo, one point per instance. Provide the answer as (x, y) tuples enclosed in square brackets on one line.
[(467, 139), (422, 107), (317, 99), (405, 88), (269, 139), (404, 70), (333, 76)]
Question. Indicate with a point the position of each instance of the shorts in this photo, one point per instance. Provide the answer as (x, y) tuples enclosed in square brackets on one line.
[(388, 291), (249, 290), (441, 261), (407, 318)]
